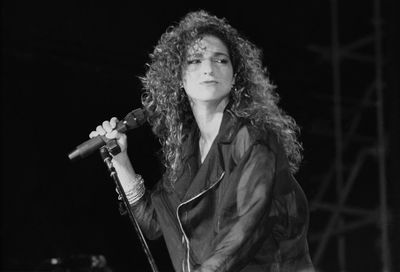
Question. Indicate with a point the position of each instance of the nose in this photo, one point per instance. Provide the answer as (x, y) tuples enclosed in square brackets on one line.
[(207, 67)]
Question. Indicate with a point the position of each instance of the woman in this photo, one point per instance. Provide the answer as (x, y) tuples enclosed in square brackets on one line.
[(228, 200)]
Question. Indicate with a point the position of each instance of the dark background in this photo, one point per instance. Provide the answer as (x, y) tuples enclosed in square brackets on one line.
[(67, 66)]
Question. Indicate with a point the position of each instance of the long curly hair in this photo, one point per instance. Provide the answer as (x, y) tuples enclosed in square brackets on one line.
[(253, 97)]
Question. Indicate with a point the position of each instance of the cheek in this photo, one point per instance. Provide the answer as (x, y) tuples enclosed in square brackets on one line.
[(186, 77), (229, 79), (188, 80), (227, 74)]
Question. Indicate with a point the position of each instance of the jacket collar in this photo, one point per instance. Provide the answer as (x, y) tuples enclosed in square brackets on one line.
[(213, 167), (230, 124)]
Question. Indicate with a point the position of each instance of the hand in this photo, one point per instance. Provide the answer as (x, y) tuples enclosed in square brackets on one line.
[(121, 162), (107, 130)]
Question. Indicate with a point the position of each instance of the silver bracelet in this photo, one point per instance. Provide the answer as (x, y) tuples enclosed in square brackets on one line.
[(136, 192), (134, 195)]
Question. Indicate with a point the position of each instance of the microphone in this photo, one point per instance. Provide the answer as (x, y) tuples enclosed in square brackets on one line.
[(132, 120)]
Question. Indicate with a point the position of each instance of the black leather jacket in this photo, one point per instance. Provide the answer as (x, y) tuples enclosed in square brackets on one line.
[(240, 210)]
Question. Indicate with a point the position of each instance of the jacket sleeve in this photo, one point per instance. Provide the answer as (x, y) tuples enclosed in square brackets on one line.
[(145, 215), (243, 225)]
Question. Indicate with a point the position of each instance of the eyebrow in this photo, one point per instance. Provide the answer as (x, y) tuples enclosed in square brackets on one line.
[(215, 54)]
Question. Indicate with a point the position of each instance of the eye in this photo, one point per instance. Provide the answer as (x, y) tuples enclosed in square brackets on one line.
[(221, 60), (193, 61)]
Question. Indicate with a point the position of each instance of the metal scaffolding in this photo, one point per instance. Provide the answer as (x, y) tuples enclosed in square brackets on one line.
[(344, 171)]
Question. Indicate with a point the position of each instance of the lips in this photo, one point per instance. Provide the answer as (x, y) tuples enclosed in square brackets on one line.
[(209, 82)]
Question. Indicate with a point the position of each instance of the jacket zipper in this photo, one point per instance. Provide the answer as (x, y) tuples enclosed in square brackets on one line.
[(184, 238), (169, 208)]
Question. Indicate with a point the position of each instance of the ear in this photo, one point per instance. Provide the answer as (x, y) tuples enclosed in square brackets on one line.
[(181, 85)]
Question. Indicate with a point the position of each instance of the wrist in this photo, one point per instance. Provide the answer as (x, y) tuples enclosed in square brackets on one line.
[(135, 194), (135, 191), (121, 158), (125, 171)]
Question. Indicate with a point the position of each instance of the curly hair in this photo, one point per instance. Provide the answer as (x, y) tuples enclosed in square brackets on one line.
[(253, 97)]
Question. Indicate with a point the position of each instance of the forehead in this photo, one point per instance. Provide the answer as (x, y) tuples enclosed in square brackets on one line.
[(207, 44)]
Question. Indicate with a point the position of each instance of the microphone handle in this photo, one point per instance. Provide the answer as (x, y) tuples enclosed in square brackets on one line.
[(85, 149), (132, 120)]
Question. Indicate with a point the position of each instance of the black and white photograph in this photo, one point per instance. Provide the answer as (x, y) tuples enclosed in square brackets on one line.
[(200, 136)]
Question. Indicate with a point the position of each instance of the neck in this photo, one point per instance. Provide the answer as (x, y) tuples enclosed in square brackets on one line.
[(208, 118)]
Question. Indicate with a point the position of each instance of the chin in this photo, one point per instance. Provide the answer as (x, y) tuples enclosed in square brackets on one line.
[(213, 99)]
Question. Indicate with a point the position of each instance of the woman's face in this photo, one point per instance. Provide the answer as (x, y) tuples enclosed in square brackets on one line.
[(207, 75)]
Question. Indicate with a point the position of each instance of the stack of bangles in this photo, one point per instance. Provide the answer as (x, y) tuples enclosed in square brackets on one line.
[(136, 192)]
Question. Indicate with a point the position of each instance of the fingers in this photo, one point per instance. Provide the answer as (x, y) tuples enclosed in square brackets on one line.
[(113, 122), (93, 134), (107, 129)]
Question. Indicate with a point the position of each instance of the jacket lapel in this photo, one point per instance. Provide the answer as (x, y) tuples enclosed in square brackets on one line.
[(213, 166)]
